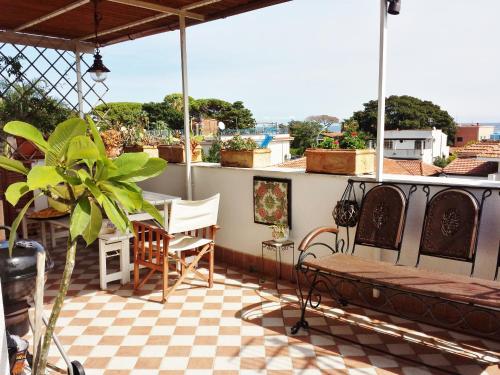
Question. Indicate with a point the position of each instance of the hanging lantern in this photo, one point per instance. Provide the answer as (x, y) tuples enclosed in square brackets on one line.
[(98, 71)]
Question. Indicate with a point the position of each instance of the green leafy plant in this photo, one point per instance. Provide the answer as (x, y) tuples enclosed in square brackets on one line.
[(214, 152), (79, 178), (279, 230), (329, 143), (348, 140), (238, 143)]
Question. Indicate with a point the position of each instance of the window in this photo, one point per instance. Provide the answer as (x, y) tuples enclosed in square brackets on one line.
[(419, 145), (388, 144), (460, 139)]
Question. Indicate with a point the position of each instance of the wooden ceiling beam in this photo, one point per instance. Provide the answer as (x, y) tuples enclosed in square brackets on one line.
[(126, 26), (161, 8), (199, 4), (45, 42), (53, 14)]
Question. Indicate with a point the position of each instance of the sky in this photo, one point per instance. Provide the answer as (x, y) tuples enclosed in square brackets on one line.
[(310, 57)]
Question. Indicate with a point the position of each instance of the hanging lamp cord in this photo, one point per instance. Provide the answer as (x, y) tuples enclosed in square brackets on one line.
[(97, 20)]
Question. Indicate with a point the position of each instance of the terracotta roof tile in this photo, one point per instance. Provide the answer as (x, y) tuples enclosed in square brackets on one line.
[(488, 149), (391, 166), (471, 167)]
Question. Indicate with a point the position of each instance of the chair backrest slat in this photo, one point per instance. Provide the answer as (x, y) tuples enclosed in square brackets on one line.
[(193, 215)]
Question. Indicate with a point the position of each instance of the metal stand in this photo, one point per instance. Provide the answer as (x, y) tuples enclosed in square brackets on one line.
[(277, 247)]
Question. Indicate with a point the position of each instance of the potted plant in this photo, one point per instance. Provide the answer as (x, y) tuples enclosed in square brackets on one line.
[(78, 175), (113, 142), (136, 139), (346, 154), (280, 232), (172, 149), (244, 153)]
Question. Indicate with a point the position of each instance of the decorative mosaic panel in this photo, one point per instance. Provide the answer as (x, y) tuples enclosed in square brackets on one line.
[(272, 201)]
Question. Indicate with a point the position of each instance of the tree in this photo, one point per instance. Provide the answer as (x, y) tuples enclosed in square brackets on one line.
[(118, 114), (81, 179), (163, 113), (406, 112), (234, 116), (305, 134), (30, 102), (325, 120)]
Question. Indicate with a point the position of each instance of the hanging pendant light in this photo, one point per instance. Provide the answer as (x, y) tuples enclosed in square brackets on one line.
[(98, 71)]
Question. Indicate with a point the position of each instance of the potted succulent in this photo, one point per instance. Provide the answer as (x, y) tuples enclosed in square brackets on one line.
[(136, 139), (78, 175), (172, 149), (280, 232), (346, 154), (244, 153)]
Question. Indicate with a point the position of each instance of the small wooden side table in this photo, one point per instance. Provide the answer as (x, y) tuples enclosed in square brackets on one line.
[(277, 247)]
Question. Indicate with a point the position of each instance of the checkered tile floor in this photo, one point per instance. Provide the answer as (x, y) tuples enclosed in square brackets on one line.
[(238, 327)]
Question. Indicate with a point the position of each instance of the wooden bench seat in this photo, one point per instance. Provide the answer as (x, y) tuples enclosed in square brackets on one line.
[(452, 287)]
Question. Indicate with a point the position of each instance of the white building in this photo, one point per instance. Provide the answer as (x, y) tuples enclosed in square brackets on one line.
[(426, 145)]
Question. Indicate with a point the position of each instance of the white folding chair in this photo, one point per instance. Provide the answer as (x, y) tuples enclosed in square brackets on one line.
[(191, 232)]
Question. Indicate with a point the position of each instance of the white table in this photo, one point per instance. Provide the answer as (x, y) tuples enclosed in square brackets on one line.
[(110, 245)]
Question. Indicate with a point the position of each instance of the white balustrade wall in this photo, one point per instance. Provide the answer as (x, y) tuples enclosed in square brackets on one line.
[(313, 199)]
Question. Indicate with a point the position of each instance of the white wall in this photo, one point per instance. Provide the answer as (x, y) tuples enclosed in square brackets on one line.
[(313, 199)]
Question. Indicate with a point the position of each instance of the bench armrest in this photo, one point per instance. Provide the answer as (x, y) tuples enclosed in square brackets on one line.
[(306, 242)]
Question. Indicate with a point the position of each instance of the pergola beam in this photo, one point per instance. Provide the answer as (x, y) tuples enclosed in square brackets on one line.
[(45, 42), (161, 8), (127, 26), (199, 4), (53, 14)]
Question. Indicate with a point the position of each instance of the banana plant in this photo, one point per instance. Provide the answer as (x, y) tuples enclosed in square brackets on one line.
[(79, 178)]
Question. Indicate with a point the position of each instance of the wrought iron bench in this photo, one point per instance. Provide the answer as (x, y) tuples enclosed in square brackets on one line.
[(450, 230)]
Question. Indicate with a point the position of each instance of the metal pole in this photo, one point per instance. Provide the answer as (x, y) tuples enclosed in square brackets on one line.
[(381, 89), (187, 143), (79, 81)]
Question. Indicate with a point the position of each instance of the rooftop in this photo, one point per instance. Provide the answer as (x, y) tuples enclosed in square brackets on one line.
[(471, 167), (391, 166), (487, 148)]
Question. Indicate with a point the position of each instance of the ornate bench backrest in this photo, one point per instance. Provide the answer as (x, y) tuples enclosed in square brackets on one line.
[(451, 226), (382, 218)]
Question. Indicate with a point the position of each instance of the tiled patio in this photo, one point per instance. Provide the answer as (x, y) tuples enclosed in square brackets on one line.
[(238, 327)]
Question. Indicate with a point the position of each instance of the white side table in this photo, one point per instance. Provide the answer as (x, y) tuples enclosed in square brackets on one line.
[(111, 245)]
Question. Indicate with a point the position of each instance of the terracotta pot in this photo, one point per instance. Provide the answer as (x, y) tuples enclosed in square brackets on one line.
[(150, 150), (27, 150), (176, 154), (340, 161), (258, 158)]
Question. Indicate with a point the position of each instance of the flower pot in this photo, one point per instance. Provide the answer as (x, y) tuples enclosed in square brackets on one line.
[(340, 161), (176, 153), (150, 150), (258, 158), (279, 236), (27, 149)]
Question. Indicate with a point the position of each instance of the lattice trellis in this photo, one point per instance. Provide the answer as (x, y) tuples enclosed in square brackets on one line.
[(50, 72)]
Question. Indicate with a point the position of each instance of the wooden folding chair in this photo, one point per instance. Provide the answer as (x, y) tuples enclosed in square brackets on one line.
[(192, 228)]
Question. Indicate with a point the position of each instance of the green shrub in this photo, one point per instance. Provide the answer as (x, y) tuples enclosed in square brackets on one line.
[(238, 143)]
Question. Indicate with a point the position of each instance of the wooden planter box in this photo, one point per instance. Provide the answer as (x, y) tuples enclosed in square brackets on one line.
[(152, 151), (350, 162), (176, 154), (259, 158)]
